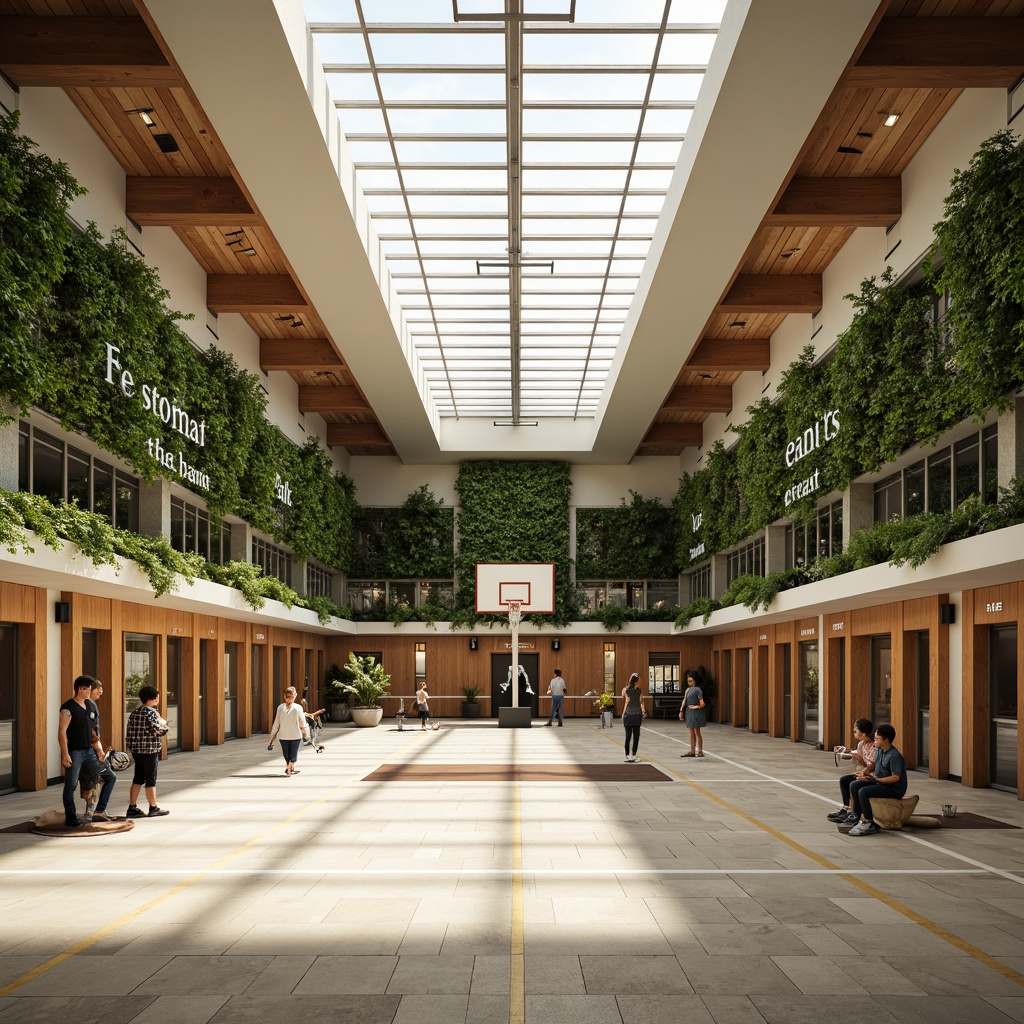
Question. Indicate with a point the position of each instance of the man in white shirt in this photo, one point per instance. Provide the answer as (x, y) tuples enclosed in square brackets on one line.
[(557, 690)]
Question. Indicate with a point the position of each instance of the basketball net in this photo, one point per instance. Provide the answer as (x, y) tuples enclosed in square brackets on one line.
[(515, 613)]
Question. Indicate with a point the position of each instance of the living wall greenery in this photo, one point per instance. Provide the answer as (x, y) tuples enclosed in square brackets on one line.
[(899, 375), (414, 541), (78, 311), (632, 541), (35, 196), (514, 512)]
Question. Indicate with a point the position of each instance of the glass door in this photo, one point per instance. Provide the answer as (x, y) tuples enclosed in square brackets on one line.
[(743, 714), (881, 679), (173, 693), (845, 732), (726, 687), (8, 705), (1002, 661), (809, 692), (139, 667), (230, 689), (923, 699)]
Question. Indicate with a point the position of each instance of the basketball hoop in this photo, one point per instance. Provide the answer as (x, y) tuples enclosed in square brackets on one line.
[(515, 613)]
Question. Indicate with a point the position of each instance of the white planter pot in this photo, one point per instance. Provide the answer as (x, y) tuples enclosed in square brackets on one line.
[(367, 718), (607, 717)]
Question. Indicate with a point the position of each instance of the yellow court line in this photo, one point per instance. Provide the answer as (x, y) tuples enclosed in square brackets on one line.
[(517, 951), (91, 940), (936, 929)]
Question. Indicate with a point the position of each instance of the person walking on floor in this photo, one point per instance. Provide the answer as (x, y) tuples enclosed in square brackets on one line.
[(96, 810), (290, 725), (692, 712), (77, 748), (862, 760), (422, 707), (144, 735), (633, 714), (557, 690)]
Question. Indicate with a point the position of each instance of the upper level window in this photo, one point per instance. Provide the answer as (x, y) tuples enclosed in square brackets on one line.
[(319, 581), (817, 538), (943, 480), (275, 561), (192, 530), (746, 561), (640, 594), (61, 472), (700, 582)]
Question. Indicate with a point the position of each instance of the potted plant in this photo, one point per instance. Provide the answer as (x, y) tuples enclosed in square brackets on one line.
[(605, 705), (471, 705), (366, 682), (335, 694)]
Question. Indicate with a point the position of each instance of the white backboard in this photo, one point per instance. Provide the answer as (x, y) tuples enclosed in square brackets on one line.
[(530, 583)]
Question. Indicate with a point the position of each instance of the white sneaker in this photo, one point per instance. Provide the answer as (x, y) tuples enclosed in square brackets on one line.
[(860, 829)]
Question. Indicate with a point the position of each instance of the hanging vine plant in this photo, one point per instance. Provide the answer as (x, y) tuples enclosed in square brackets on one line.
[(514, 512), (978, 258)]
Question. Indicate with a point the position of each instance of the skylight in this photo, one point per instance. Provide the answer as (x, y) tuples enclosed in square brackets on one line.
[(515, 170)]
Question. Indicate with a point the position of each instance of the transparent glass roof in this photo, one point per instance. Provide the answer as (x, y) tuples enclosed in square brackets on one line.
[(515, 156)]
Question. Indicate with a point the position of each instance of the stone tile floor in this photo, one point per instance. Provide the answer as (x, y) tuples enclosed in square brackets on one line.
[(723, 897)]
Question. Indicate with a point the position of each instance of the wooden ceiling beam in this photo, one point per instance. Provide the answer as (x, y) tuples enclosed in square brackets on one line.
[(941, 53), (355, 434), (773, 293), (188, 202), (688, 435), (726, 354), (321, 399), (308, 355), (697, 398), (64, 51), (254, 293), (839, 202)]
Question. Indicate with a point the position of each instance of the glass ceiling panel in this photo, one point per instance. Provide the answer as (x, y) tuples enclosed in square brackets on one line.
[(593, 162)]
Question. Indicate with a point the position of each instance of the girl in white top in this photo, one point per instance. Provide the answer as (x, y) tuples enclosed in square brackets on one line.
[(290, 725), (422, 709)]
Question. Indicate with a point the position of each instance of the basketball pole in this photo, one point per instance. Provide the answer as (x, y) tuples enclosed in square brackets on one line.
[(514, 616)]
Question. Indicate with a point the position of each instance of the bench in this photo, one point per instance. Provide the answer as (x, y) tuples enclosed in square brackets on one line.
[(666, 705)]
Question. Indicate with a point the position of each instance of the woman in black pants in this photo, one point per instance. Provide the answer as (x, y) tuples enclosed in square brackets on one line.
[(633, 714)]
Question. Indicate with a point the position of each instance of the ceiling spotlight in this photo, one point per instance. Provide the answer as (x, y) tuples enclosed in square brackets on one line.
[(146, 114), (890, 120), (296, 323), (285, 318), (707, 376), (789, 252), (738, 323), (849, 149), (246, 249)]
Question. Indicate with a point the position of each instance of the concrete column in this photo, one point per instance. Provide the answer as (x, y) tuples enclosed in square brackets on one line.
[(299, 576), (719, 576), (858, 510), (241, 542), (155, 508), (9, 449), (572, 543), (338, 581), (1011, 443), (774, 549)]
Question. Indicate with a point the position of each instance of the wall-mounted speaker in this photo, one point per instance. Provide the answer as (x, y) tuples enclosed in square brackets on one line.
[(947, 614), (62, 611), (556, 644), (473, 643)]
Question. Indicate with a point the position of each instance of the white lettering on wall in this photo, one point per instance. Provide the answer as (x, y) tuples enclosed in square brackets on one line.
[(813, 437), (808, 632), (994, 606), (283, 490), (838, 627)]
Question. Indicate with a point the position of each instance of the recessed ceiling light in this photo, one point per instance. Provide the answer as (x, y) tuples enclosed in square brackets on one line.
[(849, 149), (738, 323), (890, 120)]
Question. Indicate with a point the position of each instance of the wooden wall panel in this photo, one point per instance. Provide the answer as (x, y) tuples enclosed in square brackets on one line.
[(451, 664), (18, 603), (975, 706), (32, 724), (994, 605)]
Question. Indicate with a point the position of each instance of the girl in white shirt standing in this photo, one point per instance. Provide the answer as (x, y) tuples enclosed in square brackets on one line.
[(290, 725)]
